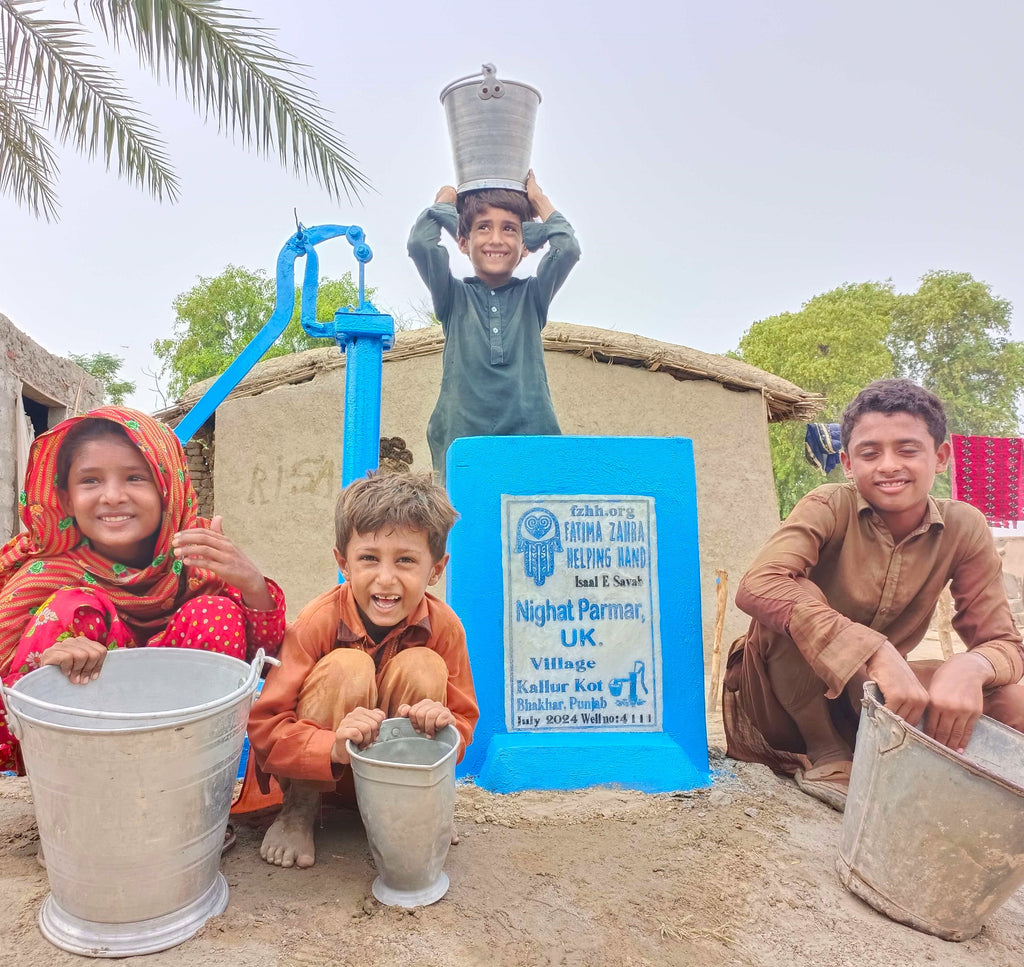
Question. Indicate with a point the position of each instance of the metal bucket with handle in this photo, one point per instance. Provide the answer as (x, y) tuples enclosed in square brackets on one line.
[(132, 777), (490, 123), (932, 838)]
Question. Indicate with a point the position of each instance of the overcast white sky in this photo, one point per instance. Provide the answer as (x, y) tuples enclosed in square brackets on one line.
[(721, 162)]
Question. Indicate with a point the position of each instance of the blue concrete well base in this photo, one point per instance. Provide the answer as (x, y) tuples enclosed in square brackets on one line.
[(651, 762), (556, 677)]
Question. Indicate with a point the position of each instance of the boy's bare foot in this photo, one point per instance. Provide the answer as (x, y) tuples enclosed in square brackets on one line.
[(455, 836), (289, 841)]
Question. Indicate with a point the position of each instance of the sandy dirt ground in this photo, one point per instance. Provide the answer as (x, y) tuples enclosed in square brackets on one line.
[(742, 873), (739, 874)]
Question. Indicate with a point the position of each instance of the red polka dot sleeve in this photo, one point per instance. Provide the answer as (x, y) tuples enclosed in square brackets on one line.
[(263, 629)]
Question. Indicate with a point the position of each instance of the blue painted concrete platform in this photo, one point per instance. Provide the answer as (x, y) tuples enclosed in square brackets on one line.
[(575, 571)]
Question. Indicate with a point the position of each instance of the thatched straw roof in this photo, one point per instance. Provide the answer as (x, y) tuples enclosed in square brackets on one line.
[(784, 400)]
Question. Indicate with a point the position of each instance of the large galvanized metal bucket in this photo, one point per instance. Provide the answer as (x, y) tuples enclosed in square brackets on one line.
[(405, 787), (932, 838), (132, 777), (490, 124)]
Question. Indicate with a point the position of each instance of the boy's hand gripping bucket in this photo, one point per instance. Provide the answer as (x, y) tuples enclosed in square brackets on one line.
[(490, 123)]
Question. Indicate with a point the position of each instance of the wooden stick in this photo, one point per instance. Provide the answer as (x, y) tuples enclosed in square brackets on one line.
[(722, 597), (945, 624)]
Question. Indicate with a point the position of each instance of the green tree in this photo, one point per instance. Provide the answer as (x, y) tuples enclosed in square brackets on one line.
[(951, 335), (106, 368), (217, 317), (224, 61), (835, 345)]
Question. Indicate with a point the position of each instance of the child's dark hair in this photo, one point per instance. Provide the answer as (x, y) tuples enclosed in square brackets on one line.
[(472, 203), (81, 433), (386, 500), (896, 396)]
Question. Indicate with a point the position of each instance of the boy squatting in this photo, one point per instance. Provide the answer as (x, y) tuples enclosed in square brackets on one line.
[(846, 588), (377, 646)]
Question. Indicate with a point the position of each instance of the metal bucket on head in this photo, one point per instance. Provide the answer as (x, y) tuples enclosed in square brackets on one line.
[(132, 777), (490, 124), (932, 838), (405, 787)]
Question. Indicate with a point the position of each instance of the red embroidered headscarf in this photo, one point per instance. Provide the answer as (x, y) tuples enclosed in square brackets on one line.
[(53, 553)]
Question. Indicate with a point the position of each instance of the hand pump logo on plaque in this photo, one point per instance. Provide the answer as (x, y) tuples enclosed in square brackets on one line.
[(583, 651)]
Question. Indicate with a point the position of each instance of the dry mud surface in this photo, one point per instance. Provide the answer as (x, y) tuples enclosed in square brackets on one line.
[(740, 874)]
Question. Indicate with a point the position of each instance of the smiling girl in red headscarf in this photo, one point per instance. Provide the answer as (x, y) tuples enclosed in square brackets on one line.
[(115, 556)]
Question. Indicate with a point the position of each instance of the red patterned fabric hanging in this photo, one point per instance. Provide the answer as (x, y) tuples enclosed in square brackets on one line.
[(987, 475)]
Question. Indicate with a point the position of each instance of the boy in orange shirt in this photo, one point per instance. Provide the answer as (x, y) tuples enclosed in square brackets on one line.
[(846, 587), (375, 647)]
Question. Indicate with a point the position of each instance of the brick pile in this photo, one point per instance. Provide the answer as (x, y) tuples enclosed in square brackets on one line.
[(199, 454)]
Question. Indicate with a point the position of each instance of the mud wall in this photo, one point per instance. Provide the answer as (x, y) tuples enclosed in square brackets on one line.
[(52, 388), (279, 460)]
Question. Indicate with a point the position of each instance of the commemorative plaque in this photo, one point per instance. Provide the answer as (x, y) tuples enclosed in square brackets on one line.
[(575, 572), (581, 613)]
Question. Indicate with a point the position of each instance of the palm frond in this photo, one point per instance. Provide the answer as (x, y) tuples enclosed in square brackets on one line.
[(226, 63), (28, 165), (54, 69)]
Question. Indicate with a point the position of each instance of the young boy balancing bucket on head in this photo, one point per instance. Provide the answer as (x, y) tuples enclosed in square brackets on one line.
[(493, 381)]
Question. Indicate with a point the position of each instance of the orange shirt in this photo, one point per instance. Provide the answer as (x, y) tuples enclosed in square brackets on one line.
[(877, 589), (299, 749)]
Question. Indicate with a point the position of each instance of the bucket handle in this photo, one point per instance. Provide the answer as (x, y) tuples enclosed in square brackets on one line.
[(249, 685), (892, 730), (13, 722), (490, 86)]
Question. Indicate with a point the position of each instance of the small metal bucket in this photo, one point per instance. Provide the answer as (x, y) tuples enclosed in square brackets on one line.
[(490, 124), (932, 838), (132, 777), (405, 787)]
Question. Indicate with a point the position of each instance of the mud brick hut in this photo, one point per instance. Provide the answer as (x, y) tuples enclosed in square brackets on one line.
[(279, 439), (37, 391)]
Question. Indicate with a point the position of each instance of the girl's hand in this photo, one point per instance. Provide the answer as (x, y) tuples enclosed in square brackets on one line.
[(427, 716), (210, 548), (361, 725), (79, 658)]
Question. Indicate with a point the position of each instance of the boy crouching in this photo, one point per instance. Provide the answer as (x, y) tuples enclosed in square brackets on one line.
[(375, 647), (845, 590)]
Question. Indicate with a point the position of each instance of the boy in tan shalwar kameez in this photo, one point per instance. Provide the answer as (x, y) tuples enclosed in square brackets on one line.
[(845, 589)]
